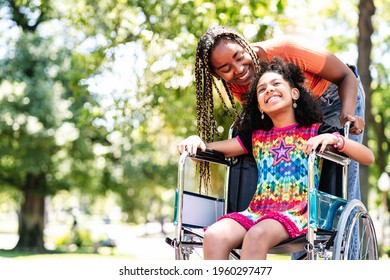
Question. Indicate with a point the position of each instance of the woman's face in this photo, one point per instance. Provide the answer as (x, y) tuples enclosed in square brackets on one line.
[(274, 93), (232, 63)]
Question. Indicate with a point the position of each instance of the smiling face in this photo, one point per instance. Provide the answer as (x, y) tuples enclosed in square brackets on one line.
[(232, 63), (275, 95)]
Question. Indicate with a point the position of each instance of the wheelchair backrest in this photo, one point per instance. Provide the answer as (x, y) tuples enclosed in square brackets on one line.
[(242, 181)]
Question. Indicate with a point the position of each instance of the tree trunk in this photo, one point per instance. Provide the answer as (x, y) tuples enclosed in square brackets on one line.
[(366, 11), (31, 217)]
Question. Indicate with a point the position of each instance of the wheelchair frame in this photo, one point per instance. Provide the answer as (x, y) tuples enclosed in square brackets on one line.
[(332, 221)]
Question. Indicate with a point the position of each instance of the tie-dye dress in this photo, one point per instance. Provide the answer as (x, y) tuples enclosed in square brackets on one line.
[(283, 174)]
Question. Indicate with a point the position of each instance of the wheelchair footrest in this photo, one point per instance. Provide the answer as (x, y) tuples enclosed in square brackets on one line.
[(193, 231), (297, 244), (289, 246), (192, 237)]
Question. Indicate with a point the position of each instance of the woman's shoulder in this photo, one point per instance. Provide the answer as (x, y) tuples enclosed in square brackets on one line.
[(280, 41), (289, 46)]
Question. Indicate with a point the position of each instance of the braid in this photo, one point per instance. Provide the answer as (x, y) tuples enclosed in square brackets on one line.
[(206, 82), (231, 99), (204, 105)]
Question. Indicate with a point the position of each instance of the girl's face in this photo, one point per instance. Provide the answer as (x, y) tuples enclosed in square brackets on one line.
[(275, 94), (232, 63)]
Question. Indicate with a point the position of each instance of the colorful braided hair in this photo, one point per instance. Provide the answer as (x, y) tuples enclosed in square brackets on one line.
[(206, 82)]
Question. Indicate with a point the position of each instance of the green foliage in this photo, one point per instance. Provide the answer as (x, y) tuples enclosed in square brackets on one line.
[(147, 115), (378, 133)]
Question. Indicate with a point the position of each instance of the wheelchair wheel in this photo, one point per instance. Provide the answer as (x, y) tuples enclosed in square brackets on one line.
[(356, 238)]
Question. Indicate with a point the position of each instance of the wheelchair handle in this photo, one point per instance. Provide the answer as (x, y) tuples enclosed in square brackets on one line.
[(211, 155), (347, 126)]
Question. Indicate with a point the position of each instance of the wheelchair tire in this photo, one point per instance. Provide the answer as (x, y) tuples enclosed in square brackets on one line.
[(355, 220)]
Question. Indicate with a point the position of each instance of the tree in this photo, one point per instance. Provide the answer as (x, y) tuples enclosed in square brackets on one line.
[(47, 132), (366, 29), (362, 35), (161, 107), (53, 123)]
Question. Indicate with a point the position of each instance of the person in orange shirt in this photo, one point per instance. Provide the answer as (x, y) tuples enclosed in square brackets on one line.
[(225, 55), (226, 62)]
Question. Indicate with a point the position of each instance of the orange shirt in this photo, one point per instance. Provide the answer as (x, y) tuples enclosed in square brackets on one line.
[(295, 50)]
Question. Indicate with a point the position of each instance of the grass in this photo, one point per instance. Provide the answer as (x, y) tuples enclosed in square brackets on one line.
[(103, 253)]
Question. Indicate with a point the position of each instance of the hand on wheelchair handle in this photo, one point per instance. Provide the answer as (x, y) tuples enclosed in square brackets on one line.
[(357, 124), (191, 144)]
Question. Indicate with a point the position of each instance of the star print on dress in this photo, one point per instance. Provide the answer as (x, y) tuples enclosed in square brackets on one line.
[(282, 152)]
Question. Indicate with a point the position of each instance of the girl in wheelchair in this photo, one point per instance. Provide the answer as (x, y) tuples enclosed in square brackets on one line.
[(280, 125)]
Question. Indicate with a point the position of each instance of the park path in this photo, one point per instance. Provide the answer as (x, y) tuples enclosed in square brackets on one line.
[(141, 242)]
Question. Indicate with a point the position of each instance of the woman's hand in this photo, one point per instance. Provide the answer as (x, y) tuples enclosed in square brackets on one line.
[(191, 144), (358, 124), (320, 140)]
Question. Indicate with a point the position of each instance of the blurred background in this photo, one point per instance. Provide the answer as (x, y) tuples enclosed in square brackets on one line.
[(95, 94)]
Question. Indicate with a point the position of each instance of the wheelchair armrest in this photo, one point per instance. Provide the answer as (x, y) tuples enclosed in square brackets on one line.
[(332, 154), (211, 155)]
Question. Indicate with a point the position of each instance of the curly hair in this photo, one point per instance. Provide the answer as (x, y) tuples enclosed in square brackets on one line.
[(206, 82), (307, 111)]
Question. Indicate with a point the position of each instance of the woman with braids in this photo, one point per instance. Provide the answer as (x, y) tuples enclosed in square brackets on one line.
[(224, 55), (280, 124)]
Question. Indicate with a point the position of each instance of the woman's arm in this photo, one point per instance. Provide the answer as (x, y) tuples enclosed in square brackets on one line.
[(339, 73), (353, 149), (230, 147), (319, 62)]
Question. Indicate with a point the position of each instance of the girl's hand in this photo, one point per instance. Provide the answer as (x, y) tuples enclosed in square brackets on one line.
[(320, 140), (191, 144)]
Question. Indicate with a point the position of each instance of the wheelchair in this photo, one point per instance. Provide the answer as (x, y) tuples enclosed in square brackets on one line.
[(338, 229)]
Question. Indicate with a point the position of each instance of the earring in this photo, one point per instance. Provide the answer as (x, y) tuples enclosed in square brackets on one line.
[(261, 111), (295, 104)]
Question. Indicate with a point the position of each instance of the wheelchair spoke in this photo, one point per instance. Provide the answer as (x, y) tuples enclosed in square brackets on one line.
[(356, 239)]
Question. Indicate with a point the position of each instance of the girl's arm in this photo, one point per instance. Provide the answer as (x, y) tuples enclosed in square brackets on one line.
[(230, 147), (353, 149)]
